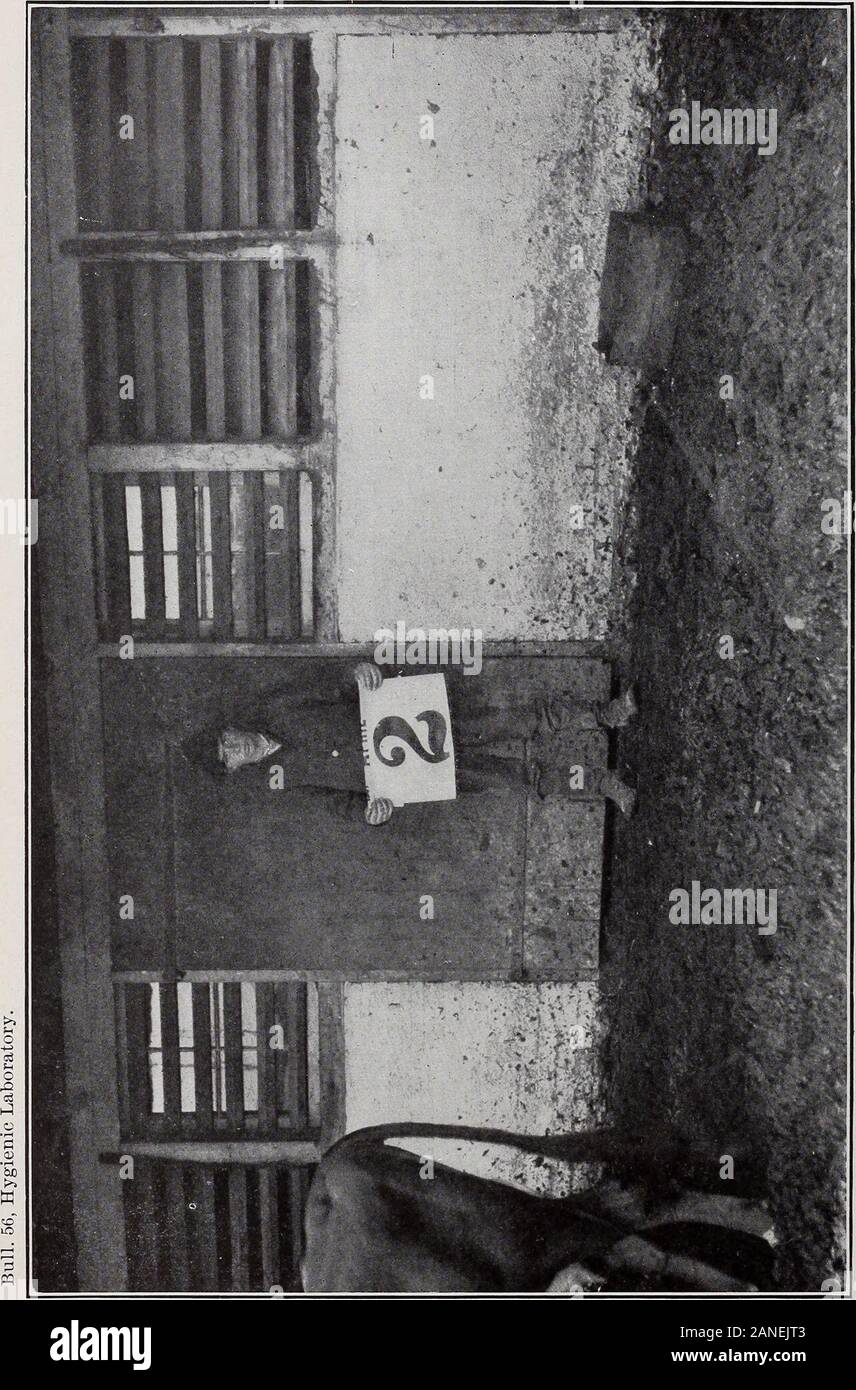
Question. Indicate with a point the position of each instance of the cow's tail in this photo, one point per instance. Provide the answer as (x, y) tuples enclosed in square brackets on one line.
[(586, 1146), (654, 1154)]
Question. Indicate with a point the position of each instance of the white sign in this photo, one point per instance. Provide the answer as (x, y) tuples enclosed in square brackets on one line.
[(407, 740)]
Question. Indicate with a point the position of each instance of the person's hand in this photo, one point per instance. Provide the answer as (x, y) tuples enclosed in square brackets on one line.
[(378, 812), (368, 676)]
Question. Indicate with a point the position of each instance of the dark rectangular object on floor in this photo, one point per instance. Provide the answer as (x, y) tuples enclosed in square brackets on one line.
[(640, 290)]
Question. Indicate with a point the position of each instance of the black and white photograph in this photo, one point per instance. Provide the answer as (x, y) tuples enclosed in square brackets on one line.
[(434, 544)]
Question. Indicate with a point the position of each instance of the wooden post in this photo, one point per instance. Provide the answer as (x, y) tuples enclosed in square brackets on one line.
[(73, 694)]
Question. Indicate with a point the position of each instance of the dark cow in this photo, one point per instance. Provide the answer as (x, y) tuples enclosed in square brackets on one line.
[(376, 1222)]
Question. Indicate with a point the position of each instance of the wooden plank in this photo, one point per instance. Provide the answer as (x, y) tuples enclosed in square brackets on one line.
[(306, 548), (186, 524), (170, 832), (170, 1058), (241, 190), (168, 137), (221, 1152), (339, 976), (240, 209), (240, 559), (100, 133), (269, 1222), (296, 1205), (203, 1228), (313, 1059), (324, 64), (281, 351), (240, 287), (236, 245), (212, 316), (562, 907), (331, 1050), (202, 1059), (147, 1223), (99, 542), (265, 1021), (137, 1018), (282, 560), (280, 134), (107, 348), (264, 456), (169, 194), (137, 83), (233, 1038), (496, 650), (150, 486), (280, 336), (319, 587), (211, 127), (173, 354), (323, 622), (293, 1090), (176, 1228), (238, 1229), (145, 376), (116, 556), (242, 350), (256, 560), (103, 282), (122, 1056), (141, 976), (289, 606), (221, 557), (211, 135), (264, 21)]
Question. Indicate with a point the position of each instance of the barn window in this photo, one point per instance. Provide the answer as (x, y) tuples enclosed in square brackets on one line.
[(222, 1057), (221, 1105), (202, 251)]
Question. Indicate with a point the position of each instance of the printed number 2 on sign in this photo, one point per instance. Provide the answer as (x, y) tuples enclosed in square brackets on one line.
[(407, 740)]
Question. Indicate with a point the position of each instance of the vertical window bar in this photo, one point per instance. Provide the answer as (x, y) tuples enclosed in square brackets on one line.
[(233, 1049), (218, 1047), (221, 556), (239, 530), (186, 541), (238, 1229), (170, 1056), (266, 1057), (152, 526), (203, 1070), (139, 199), (211, 128), (203, 1229), (280, 298)]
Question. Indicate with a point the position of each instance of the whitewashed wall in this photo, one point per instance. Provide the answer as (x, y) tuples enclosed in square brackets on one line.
[(457, 259), (522, 1057)]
